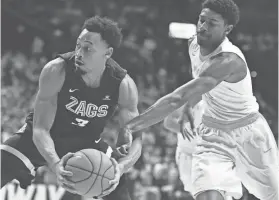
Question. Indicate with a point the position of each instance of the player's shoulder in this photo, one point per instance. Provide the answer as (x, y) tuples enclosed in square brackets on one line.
[(53, 75), (128, 84), (54, 67)]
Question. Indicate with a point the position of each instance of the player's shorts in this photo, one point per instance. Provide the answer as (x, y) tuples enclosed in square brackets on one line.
[(20, 152), (14, 168), (184, 165), (229, 153), (183, 158)]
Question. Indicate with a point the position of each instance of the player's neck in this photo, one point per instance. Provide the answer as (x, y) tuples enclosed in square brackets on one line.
[(208, 49), (93, 79)]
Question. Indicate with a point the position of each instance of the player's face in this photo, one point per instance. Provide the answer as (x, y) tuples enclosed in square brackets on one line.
[(91, 52), (211, 28)]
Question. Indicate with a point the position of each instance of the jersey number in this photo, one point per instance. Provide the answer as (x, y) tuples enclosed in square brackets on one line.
[(80, 122)]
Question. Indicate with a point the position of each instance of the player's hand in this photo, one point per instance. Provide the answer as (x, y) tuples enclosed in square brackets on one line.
[(124, 142), (186, 122), (118, 168), (187, 129), (62, 175), (120, 152)]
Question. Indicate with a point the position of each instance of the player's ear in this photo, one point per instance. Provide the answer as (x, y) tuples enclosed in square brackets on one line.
[(228, 29), (109, 52)]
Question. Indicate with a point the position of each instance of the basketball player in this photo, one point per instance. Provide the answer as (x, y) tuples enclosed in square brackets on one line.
[(236, 144), (78, 93)]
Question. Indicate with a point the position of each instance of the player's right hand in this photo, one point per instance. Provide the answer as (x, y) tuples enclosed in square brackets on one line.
[(187, 128), (62, 175), (187, 131)]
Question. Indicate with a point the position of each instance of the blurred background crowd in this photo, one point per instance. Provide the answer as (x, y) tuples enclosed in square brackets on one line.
[(34, 31)]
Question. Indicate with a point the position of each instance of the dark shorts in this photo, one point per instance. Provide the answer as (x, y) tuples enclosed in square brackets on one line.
[(20, 158), (13, 168)]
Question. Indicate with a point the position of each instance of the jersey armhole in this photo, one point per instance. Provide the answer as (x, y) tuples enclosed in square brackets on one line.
[(190, 40), (244, 61)]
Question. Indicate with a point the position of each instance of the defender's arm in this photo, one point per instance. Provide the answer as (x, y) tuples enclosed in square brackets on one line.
[(222, 67)]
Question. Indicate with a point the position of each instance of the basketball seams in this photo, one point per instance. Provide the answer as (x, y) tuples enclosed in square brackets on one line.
[(103, 176), (102, 179), (83, 170), (98, 177), (92, 173)]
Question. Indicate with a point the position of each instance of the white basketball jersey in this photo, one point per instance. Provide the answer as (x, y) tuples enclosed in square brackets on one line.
[(227, 101)]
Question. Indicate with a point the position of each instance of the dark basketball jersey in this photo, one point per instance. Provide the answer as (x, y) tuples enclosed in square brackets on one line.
[(82, 112)]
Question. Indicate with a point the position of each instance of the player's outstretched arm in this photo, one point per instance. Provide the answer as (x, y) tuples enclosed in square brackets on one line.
[(224, 66)]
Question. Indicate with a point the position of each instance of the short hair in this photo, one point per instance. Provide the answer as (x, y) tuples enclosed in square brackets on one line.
[(108, 29), (226, 8)]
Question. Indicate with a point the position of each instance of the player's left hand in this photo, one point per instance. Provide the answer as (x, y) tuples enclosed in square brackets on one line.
[(118, 168)]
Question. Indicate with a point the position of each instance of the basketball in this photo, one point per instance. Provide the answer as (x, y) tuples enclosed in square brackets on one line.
[(92, 171)]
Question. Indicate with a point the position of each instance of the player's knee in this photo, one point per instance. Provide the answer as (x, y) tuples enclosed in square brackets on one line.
[(210, 195)]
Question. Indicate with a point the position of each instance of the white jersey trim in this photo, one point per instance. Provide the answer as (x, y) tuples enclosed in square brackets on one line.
[(21, 156)]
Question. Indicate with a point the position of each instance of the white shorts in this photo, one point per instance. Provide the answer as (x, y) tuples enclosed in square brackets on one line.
[(228, 153), (184, 165)]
